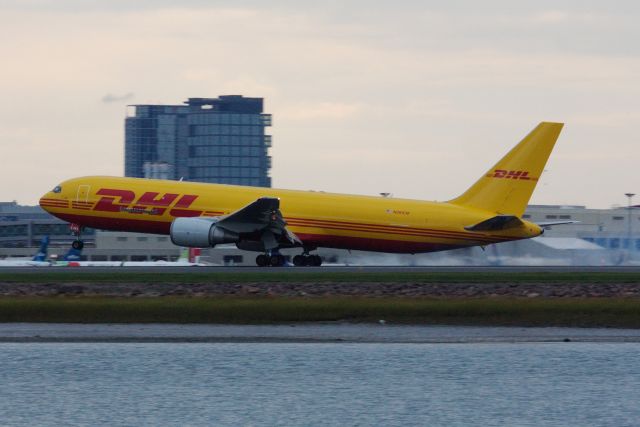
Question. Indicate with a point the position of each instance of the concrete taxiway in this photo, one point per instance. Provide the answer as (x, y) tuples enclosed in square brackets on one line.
[(328, 269)]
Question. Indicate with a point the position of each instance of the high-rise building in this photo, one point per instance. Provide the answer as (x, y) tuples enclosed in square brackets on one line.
[(219, 140)]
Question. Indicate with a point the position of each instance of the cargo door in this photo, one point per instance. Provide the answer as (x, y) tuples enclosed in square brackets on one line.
[(83, 193)]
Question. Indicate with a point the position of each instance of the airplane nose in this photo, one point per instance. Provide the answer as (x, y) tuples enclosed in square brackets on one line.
[(42, 202), (51, 200)]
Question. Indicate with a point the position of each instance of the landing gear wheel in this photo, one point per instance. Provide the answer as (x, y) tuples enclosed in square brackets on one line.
[(77, 244), (316, 261), (276, 261), (299, 260), (262, 260)]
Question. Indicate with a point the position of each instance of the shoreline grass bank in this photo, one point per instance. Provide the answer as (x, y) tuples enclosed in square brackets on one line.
[(576, 312)]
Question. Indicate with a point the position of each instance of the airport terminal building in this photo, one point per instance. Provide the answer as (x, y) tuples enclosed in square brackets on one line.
[(218, 140), (23, 227)]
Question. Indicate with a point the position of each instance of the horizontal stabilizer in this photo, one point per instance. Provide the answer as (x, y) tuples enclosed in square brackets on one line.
[(499, 222), (550, 223)]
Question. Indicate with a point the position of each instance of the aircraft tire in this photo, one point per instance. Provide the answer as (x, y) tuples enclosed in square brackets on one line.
[(276, 261), (316, 261), (299, 260), (262, 260), (77, 244)]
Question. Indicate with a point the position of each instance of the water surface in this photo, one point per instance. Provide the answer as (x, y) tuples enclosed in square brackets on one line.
[(309, 384)]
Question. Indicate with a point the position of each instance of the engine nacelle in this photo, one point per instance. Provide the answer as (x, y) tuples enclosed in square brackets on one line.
[(200, 233)]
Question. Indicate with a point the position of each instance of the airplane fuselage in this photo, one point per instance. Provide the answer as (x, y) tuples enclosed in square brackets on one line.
[(318, 219)]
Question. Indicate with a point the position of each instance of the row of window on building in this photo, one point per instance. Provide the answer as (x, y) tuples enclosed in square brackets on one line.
[(221, 151), (198, 130), (38, 230), (135, 258), (253, 182), (229, 172), (142, 238), (149, 110), (226, 161), (615, 242), (235, 140), (551, 216), (230, 119)]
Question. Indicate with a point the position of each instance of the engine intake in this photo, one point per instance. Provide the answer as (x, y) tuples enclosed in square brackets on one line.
[(200, 233)]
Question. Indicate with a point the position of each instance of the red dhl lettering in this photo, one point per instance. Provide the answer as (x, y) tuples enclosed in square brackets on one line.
[(507, 174), (116, 200)]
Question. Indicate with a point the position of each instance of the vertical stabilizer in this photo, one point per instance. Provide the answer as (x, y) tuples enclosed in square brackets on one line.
[(507, 187), (42, 253)]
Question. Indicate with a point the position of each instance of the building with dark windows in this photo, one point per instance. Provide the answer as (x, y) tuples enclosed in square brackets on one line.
[(25, 226), (220, 140)]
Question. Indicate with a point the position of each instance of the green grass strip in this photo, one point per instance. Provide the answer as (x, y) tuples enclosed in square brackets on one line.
[(591, 312), (75, 276)]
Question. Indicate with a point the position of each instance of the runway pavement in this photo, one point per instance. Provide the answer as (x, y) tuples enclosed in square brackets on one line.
[(327, 269)]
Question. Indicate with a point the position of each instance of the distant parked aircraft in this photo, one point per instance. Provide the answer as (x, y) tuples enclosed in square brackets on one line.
[(38, 260)]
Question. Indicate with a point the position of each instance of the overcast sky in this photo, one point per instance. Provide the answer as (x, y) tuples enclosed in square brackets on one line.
[(415, 98)]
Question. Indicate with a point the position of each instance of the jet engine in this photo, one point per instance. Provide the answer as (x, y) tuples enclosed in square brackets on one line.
[(199, 232)]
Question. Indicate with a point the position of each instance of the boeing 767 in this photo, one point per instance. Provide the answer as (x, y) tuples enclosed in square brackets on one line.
[(266, 220)]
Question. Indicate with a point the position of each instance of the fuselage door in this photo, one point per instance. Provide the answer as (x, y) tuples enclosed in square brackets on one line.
[(83, 193)]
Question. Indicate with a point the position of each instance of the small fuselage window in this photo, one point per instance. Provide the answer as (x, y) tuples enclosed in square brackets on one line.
[(57, 189)]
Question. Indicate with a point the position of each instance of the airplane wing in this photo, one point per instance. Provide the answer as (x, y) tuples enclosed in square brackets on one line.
[(498, 222), (262, 217)]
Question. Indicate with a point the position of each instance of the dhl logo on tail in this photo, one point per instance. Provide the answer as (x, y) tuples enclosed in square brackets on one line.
[(501, 173)]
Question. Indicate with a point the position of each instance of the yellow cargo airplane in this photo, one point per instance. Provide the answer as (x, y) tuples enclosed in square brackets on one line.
[(266, 220)]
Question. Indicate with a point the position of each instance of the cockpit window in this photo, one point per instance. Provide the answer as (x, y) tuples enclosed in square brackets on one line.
[(57, 189)]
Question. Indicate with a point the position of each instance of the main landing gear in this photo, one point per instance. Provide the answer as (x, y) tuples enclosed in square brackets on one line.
[(76, 230), (275, 259), (307, 260)]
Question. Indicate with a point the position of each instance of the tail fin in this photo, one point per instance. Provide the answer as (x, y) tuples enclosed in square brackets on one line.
[(73, 255), (507, 187), (42, 253)]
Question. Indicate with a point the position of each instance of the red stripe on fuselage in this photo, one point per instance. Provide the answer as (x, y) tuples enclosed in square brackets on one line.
[(467, 239), (410, 231), (310, 239), (117, 224)]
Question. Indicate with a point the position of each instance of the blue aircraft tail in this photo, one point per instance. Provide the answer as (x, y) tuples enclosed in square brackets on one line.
[(73, 255), (42, 253)]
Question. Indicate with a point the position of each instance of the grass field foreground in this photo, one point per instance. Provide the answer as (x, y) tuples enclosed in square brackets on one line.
[(521, 312)]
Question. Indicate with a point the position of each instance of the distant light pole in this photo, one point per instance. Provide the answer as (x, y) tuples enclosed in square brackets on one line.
[(630, 197)]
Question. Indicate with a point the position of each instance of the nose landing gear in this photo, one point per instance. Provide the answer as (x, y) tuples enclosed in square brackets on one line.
[(76, 230)]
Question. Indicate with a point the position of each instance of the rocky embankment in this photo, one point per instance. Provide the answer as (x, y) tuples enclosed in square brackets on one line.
[(325, 289)]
